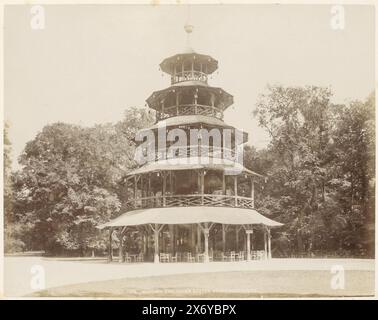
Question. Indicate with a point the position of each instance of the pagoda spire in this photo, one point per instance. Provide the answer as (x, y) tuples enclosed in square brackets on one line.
[(188, 27)]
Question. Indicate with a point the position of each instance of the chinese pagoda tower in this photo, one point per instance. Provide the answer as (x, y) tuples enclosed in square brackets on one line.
[(180, 203)]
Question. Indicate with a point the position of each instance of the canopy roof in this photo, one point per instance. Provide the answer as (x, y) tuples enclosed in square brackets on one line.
[(191, 215), (192, 119), (168, 64), (193, 163)]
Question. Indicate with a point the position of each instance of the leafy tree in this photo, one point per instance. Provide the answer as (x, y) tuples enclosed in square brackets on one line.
[(309, 163), (69, 183)]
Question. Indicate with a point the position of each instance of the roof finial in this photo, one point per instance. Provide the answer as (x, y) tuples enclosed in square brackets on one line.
[(188, 28)]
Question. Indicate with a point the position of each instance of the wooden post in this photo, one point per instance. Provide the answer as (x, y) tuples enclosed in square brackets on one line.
[(156, 231), (192, 69), (265, 245), (269, 244), (193, 239), (199, 246), (253, 192), (223, 183), (164, 187), (248, 233), (135, 190), (171, 236), (202, 186), (110, 253), (206, 232), (223, 238), (120, 253), (237, 238), (236, 189)]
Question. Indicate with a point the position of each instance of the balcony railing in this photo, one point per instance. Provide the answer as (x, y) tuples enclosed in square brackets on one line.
[(195, 151), (209, 200), (190, 109), (189, 76)]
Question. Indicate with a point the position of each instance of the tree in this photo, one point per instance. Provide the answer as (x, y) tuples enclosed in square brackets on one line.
[(69, 183), (308, 165)]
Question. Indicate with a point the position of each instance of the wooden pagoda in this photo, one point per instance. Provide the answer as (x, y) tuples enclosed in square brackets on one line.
[(176, 210)]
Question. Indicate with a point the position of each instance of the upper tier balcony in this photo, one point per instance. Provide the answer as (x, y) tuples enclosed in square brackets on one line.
[(192, 75), (191, 200), (189, 109)]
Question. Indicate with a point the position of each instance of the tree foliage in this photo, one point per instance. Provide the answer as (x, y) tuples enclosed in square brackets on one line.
[(320, 168), (69, 182)]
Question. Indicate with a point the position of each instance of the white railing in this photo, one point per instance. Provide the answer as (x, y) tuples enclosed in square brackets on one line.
[(194, 151), (210, 200), (190, 109), (189, 76)]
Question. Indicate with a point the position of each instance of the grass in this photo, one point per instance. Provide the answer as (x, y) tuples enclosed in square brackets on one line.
[(241, 284)]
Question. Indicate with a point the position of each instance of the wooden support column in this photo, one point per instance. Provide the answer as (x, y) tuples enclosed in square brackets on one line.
[(135, 190), (164, 176), (223, 183), (156, 229), (172, 237), (236, 189), (224, 229), (110, 244), (202, 186), (193, 238), (248, 233), (199, 246), (269, 244), (265, 244), (253, 192), (206, 236), (120, 253), (206, 231), (237, 229), (177, 103), (192, 69)]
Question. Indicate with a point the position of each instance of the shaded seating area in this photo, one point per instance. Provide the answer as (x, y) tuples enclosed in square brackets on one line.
[(206, 234)]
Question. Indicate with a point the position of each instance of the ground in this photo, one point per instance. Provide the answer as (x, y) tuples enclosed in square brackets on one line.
[(274, 278)]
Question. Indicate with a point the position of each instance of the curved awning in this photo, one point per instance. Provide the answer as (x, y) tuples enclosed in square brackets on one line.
[(191, 215), (192, 163)]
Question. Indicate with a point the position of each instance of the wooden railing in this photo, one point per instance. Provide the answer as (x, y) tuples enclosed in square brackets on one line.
[(210, 200), (189, 76), (195, 151), (190, 109)]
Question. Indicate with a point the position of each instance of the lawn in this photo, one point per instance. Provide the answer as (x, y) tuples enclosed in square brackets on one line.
[(240, 284)]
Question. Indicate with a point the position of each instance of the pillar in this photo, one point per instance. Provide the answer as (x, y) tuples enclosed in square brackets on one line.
[(223, 182), (164, 187), (202, 186), (253, 192), (110, 253), (193, 239), (236, 189), (269, 244), (120, 253), (171, 236), (265, 245), (248, 233), (199, 247), (206, 236), (237, 238), (156, 229), (223, 237)]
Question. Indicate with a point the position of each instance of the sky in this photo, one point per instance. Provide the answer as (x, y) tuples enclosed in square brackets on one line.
[(91, 62)]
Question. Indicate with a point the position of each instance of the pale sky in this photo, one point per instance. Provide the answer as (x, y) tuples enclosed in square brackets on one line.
[(90, 63)]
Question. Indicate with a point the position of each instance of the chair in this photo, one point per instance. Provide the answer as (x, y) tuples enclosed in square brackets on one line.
[(225, 257), (127, 258), (232, 256), (164, 257), (241, 256), (173, 258), (140, 257), (189, 257)]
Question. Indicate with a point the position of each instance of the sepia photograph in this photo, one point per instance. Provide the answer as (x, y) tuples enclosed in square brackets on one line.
[(187, 150)]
